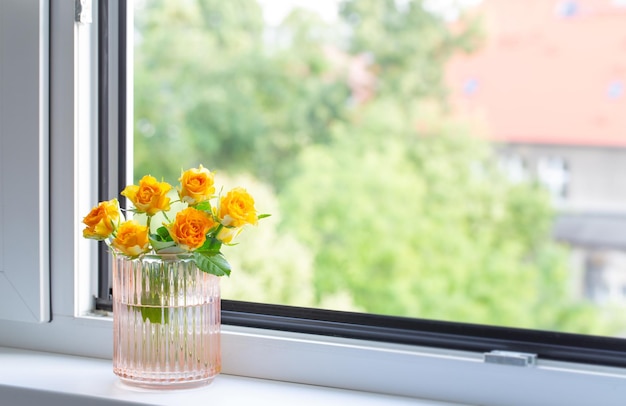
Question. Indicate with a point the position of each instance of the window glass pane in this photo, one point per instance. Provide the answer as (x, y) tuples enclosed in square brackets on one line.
[(448, 160)]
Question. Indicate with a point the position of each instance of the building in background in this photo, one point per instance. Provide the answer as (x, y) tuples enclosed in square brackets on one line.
[(549, 88)]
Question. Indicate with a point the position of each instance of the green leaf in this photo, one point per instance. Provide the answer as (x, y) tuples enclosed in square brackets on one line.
[(262, 216), (211, 246), (159, 244), (174, 249), (150, 307), (164, 234), (215, 264), (156, 315), (205, 206)]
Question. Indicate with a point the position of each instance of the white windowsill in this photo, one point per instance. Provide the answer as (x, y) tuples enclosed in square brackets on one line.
[(30, 377)]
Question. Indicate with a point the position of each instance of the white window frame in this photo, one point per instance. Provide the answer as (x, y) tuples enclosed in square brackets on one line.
[(456, 376), (24, 267)]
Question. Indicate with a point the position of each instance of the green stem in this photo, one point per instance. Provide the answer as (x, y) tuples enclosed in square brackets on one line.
[(166, 218), (215, 234)]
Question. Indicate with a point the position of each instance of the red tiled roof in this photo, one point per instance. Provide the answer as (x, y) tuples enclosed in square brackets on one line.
[(547, 77)]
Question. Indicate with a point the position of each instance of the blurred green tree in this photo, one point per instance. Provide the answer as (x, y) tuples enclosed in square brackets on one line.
[(212, 87), (436, 231)]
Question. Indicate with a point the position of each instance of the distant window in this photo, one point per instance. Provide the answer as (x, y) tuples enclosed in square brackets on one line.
[(615, 89), (515, 167), (567, 8), (553, 173), (470, 86), (595, 285)]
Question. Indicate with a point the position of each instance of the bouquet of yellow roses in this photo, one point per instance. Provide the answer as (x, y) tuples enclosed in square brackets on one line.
[(200, 229)]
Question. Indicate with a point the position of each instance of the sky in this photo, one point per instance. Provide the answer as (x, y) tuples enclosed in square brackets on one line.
[(275, 10)]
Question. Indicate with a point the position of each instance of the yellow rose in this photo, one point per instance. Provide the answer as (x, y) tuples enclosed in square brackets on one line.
[(150, 196), (102, 220), (190, 228), (237, 209), (131, 239), (197, 185), (227, 234)]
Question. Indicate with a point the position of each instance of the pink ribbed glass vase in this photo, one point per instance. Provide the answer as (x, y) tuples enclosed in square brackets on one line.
[(166, 322)]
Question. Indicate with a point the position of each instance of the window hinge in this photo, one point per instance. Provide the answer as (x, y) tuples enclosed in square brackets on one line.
[(520, 359), (82, 11)]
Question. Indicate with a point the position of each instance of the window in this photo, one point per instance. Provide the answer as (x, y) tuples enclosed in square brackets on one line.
[(384, 203), (615, 89), (567, 8), (454, 375), (554, 173)]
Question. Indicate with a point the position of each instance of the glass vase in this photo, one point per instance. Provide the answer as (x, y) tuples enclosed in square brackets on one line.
[(166, 322)]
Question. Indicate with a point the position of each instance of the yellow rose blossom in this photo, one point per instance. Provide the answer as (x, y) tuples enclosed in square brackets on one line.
[(190, 227), (197, 185), (237, 209), (102, 220), (149, 196), (203, 223), (131, 239), (227, 234)]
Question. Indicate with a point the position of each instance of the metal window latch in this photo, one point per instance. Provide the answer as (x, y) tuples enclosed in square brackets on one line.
[(82, 11), (520, 359)]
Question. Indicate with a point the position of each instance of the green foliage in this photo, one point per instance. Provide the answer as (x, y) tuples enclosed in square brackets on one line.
[(386, 206), (436, 231), (212, 262), (229, 98)]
